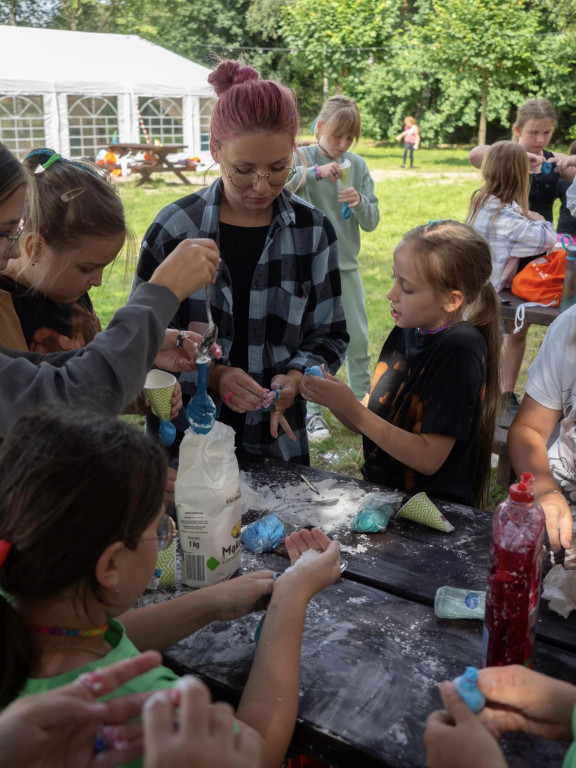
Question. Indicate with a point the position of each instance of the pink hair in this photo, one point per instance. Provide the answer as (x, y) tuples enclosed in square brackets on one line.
[(247, 104)]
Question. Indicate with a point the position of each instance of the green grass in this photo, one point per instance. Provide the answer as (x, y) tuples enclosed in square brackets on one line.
[(439, 187)]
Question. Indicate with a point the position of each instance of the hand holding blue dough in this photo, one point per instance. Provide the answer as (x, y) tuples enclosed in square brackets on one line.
[(468, 690), (346, 212), (546, 168), (314, 370), (273, 403)]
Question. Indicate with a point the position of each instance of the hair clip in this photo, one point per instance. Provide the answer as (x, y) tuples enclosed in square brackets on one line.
[(51, 160), (71, 194), (313, 128)]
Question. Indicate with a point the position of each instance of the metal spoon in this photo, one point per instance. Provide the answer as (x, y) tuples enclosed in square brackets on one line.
[(211, 333)]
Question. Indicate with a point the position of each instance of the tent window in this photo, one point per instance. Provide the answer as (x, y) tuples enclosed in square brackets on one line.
[(22, 123), (93, 123), (163, 119), (206, 106)]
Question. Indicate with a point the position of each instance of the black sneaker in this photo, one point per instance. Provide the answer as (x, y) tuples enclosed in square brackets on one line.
[(510, 402)]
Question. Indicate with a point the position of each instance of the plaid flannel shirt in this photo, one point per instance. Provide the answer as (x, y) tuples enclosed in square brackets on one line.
[(511, 236), (296, 315)]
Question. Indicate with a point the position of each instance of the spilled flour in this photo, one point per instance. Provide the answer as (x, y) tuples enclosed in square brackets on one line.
[(296, 505)]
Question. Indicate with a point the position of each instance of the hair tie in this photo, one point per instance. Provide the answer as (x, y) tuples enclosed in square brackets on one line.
[(51, 160), (5, 547)]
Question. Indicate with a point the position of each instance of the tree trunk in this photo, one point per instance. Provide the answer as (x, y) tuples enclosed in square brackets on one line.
[(483, 109)]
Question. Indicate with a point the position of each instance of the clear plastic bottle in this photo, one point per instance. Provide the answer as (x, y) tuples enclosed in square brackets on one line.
[(569, 290), (513, 589)]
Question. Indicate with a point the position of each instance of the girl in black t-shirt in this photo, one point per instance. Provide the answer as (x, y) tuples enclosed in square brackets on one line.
[(428, 420)]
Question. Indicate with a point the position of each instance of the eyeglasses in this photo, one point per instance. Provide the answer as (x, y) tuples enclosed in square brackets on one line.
[(165, 533), (13, 237), (246, 179)]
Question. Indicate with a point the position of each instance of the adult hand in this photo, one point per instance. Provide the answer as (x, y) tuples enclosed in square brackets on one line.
[(329, 171), (288, 386), (329, 391), (559, 521), (238, 597), (237, 390), (317, 573), (194, 733), (351, 196), (456, 738), (58, 729), (180, 350), (520, 699), (190, 266)]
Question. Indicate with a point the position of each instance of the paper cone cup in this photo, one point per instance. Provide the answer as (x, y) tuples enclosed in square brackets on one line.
[(159, 387), (421, 510), (345, 173)]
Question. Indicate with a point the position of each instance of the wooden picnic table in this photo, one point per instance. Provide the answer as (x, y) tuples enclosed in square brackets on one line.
[(159, 162), (373, 649), (536, 315)]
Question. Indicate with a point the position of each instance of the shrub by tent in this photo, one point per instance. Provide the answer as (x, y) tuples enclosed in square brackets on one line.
[(78, 91)]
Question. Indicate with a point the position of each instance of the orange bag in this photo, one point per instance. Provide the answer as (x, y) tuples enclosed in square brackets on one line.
[(542, 280)]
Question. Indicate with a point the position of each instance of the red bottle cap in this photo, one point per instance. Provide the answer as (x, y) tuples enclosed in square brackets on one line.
[(524, 490)]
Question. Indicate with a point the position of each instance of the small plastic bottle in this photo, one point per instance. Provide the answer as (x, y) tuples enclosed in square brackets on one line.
[(569, 290), (454, 603), (513, 589)]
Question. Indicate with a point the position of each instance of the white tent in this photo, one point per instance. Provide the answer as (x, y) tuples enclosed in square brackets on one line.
[(84, 88)]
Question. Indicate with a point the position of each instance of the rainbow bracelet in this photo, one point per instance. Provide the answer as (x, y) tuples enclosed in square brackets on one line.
[(317, 173)]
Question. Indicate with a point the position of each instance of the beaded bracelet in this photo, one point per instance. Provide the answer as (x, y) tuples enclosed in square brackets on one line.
[(544, 493), (317, 173)]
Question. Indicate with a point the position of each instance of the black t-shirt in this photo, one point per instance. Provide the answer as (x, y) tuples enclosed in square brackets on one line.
[(544, 189), (430, 384), (240, 249)]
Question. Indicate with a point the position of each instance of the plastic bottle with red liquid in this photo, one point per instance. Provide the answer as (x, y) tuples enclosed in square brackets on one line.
[(513, 589)]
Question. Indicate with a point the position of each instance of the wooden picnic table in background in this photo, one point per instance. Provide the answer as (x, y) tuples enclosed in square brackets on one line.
[(373, 649), (159, 162)]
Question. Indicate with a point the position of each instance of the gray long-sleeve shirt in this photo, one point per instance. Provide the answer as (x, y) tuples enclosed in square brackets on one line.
[(106, 375)]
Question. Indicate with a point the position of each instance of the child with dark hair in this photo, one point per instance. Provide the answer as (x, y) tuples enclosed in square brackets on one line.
[(428, 421), (76, 556)]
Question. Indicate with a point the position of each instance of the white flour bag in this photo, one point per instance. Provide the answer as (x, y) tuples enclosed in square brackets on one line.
[(209, 506)]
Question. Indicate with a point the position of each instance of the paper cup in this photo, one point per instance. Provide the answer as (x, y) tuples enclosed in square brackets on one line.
[(159, 387), (345, 173), (421, 510)]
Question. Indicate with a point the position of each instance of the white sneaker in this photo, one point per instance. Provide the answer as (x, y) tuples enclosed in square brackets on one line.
[(317, 429)]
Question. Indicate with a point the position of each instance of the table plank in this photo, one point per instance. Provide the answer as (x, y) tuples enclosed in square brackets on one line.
[(536, 315), (371, 663), (408, 560)]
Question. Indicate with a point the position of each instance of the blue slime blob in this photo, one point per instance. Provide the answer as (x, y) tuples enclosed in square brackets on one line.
[(468, 691), (314, 370)]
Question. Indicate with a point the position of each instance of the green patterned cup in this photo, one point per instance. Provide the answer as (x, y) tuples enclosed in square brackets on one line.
[(159, 387), (421, 510)]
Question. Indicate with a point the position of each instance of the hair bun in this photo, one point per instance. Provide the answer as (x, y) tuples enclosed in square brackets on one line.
[(38, 157), (229, 73)]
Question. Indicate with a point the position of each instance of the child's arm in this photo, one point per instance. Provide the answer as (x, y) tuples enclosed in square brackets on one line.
[(401, 135), (160, 626), (423, 452), (363, 202), (269, 702)]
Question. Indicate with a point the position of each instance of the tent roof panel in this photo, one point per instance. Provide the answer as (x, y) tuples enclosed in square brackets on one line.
[(62, 61)]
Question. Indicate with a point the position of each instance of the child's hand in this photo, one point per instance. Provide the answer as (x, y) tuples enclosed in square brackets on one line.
[(565, 161), (330, 392), (320, 572), (329, 171), (238, 597), (520, 699), (180, 350), (533, 216), (456, 738), (351, 196), (182, 728)]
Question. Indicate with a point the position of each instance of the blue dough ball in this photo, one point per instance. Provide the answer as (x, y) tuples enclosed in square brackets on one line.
[(468, 690), (546, 168), (314, 370)]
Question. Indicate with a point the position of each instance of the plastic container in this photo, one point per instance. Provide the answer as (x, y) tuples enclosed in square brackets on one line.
[(513, 589), (569, 290), (455, 603)]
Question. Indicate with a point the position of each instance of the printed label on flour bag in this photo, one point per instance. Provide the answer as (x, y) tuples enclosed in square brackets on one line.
[(209, 506)]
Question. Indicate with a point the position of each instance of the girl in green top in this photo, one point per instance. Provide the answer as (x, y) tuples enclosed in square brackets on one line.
[(81, 522), (338, 182)]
